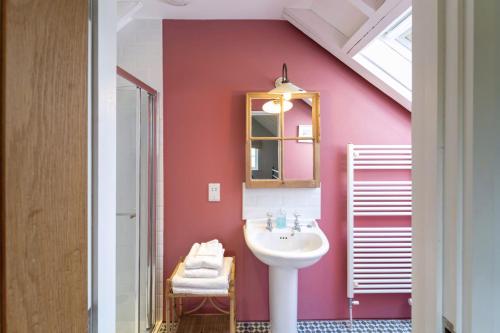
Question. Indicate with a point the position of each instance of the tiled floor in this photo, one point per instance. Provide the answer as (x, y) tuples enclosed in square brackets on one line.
[(333, 326)]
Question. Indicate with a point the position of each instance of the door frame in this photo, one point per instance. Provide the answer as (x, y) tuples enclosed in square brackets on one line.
[(103, 41), (455, 126), (427, 132)]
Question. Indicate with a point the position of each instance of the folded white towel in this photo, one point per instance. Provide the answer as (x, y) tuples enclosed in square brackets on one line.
[(201, 273), (196, 291), (193, 250), (212, 248), (193, 261), (219, 282)]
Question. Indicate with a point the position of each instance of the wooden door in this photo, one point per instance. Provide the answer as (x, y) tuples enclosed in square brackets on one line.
[(43, 179)]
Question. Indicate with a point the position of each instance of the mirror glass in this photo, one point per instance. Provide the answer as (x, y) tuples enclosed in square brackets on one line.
[(265, 159), (298, 154), (298, 120), (298, 160), (264, 124), (282, 144)]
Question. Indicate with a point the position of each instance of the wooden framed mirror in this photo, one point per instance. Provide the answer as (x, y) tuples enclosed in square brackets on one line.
[(282, 140)]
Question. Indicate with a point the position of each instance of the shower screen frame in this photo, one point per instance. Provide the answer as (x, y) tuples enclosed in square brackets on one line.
[(152, 105)]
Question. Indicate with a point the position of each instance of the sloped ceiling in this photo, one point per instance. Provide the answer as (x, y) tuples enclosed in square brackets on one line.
[(343, 27), (220, 9)]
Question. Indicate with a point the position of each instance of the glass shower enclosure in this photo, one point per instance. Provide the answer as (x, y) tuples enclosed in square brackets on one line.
[(135, 205)]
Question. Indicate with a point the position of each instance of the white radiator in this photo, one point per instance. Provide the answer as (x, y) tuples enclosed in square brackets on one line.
[(379, 258)]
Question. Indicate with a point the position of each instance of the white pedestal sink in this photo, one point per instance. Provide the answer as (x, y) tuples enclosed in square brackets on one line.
[(285, 251)]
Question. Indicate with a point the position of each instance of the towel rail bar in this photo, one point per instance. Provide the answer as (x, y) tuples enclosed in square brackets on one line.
[(383, 291), (381, 270), (382, 167)]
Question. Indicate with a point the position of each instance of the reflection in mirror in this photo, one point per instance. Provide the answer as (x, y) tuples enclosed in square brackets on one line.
[(264, 159), (298, 121), (264, 124), (298, 160), (298, 156)]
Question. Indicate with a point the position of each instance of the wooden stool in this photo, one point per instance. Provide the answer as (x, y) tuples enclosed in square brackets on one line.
[(188, 321)]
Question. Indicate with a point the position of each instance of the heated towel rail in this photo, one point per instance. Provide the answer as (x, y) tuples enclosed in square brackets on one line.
[(379, 259)]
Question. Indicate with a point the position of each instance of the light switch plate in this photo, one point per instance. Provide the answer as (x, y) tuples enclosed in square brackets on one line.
[(213, 192)]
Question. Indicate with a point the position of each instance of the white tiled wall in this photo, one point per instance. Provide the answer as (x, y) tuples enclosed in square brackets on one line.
[(257, 202), (140, 52)]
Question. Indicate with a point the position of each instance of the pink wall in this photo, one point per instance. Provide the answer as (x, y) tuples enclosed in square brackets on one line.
[(208, 68)]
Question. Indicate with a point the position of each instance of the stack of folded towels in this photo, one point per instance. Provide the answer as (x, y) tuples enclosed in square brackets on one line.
[(204, 271)]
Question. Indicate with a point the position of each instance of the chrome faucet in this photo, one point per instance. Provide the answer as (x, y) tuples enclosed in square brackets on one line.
[(296, 224), (269, 222)]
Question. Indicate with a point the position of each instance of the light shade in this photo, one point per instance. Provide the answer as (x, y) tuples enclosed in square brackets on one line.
[(286, 89), (274, 106)]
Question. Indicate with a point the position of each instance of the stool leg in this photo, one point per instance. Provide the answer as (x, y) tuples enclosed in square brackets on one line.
[(180, 307), (232, 319), (174, 309), (167, 313)]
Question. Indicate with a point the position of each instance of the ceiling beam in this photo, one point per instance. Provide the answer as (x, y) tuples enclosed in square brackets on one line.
[(363, 7), (375, 25)]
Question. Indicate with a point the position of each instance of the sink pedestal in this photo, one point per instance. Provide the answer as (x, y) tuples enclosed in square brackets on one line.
[(283, 299)]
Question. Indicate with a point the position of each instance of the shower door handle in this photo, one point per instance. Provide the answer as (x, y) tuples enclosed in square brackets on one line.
[(130, 215)]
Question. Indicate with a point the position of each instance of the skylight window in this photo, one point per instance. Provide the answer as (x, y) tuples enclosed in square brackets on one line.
[(389, 55)]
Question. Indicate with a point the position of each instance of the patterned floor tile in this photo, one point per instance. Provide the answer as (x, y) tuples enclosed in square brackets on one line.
[(331, 326)]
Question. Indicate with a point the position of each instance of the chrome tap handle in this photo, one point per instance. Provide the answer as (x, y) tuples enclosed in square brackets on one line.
[(297, 215), (269, 222), (296, 224)]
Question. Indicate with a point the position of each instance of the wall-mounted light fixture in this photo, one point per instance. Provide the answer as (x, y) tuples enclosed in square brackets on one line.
[(286, 88)]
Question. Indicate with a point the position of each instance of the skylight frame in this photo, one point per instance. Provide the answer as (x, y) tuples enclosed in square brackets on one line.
[(395, 35), (388, 56)]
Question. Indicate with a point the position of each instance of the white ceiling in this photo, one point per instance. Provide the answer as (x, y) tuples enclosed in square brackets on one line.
[(219, 9), (343, 27)]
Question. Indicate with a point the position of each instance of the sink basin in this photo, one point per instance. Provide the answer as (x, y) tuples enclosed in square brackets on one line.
[(285, 251), (285, 247)]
